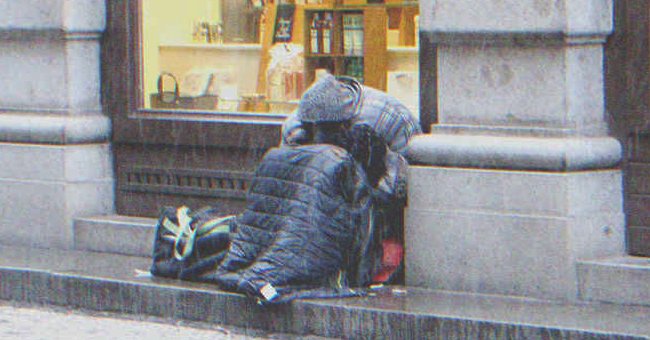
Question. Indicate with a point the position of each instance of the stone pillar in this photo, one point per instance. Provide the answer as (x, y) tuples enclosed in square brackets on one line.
[(54, 151), (518, 179)]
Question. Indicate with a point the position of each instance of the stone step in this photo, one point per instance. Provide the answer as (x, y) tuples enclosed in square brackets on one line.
[(621, 280), (118, 234), (119, 283)]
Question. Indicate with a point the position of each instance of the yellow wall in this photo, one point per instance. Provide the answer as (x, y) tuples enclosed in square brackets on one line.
[(243, 62), (170, 22), (168, 46)]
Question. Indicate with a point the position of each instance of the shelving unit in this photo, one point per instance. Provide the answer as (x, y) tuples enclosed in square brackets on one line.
[(369, 65)]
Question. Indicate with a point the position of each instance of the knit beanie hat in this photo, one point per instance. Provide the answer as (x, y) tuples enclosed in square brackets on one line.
[(329, 100)]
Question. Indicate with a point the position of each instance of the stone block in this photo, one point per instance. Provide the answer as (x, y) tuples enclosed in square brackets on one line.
[(509, 232), (40, 213), (500, 85), (115, 234), (31, 14), (621, 280), (550, 194), (69, 15), (589, 16), (489, 253), (493, 15), (594, 192), (89, 198), (34, 74), (83, 75), (87, 162), (43, 187), (569, 16), (584, 87), (544, 87), (491, 191), (39, 162), (596, 235), (84, 15), (60, 76)]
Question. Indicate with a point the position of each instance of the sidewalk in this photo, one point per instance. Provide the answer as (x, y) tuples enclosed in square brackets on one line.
[(41, 322), (117, 283)]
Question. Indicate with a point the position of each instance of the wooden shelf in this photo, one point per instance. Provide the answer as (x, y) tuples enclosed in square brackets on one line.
[(373, 61)]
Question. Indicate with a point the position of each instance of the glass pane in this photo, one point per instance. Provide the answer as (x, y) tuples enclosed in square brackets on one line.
[(259, 56)]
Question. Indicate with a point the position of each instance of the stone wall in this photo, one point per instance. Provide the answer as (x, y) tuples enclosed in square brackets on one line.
[(56, 159), (518, 180)]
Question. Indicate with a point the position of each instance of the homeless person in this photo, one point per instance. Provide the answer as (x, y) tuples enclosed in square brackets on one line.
[(341, 111), (345, 100), (309, 228)]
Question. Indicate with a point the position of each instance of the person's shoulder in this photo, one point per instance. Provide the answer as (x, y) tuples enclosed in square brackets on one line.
[(375, 99), (378, 97), (387, 104)]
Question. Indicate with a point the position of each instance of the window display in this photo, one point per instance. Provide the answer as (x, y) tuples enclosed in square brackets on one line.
[(260, 55)]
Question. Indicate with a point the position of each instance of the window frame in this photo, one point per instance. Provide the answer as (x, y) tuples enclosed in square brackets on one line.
[(122, 95)]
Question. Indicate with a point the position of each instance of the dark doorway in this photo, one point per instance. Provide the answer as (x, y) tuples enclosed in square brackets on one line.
[(628, 99)]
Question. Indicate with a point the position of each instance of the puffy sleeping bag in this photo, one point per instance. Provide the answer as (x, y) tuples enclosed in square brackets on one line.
[(306, 226)]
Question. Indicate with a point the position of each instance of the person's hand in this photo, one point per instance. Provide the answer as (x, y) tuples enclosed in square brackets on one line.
[(297, 136)]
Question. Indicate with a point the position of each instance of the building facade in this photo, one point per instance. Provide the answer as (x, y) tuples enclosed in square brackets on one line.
[(517, 187)]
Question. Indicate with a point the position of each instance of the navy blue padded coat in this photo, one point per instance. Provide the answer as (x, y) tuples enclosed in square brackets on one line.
[(306, 221)]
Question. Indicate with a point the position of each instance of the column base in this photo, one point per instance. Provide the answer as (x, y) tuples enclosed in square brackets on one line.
[(44, 187), (516, 152), (509, 232)]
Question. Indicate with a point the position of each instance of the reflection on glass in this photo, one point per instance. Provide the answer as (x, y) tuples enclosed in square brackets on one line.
[(259, 56)]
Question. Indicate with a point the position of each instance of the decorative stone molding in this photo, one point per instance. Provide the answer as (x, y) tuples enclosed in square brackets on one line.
[(516, 153), (54, 129)]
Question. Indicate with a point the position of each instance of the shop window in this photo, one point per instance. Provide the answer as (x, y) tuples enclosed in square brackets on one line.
[(199, 146), (257, 57)]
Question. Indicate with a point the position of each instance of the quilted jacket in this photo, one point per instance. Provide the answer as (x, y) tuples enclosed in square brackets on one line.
[(306, 222), (386, 115)]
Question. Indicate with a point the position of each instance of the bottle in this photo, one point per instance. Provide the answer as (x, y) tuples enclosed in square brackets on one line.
[(327, 33), (314, 36), (196, 37), (262, 27)]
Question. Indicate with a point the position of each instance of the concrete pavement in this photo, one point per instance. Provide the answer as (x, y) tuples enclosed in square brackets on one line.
[(48, 323), (115, 283)]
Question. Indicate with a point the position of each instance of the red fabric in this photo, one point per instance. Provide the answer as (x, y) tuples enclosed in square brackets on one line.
[(390, 260)]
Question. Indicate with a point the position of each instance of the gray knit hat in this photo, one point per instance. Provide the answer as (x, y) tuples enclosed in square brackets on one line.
[(329, 100)]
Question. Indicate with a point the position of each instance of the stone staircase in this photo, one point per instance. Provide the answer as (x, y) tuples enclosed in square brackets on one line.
[(619, 280), (118, 234), (614, 295)]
